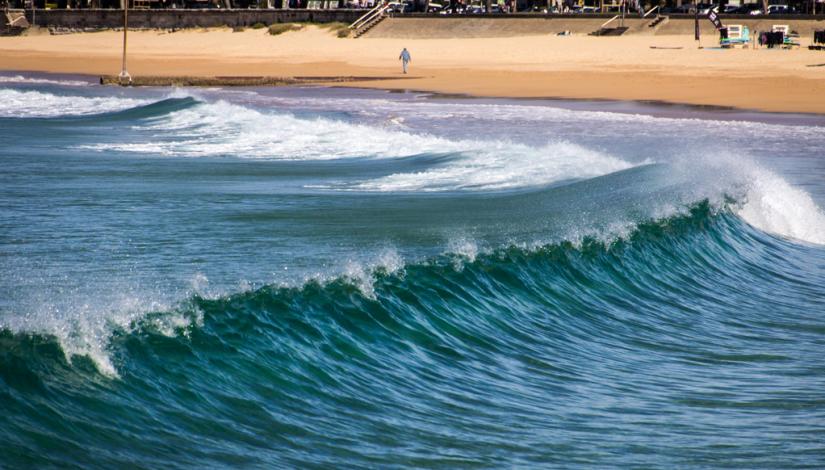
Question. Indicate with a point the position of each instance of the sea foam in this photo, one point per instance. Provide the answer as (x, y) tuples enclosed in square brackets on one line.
[(774, 206), (225, 129), (21, 80), (28, 104)]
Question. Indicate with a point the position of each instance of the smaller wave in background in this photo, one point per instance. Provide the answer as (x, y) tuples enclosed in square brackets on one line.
[(225, 129), (34, 104), (21, 80)]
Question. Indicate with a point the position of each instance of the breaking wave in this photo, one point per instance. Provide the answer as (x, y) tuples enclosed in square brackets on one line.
[(505, 304)]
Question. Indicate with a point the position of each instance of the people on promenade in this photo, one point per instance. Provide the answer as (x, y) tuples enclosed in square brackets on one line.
[(405, 59)]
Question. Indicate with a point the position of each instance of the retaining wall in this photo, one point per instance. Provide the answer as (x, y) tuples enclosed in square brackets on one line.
[(168, 19), (411, 27), (403, 26)]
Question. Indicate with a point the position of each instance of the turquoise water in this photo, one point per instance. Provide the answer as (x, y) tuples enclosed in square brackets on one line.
[(323, 278)]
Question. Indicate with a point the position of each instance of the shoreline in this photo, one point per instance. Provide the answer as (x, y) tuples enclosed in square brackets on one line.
[(571, 68), (656, 108)]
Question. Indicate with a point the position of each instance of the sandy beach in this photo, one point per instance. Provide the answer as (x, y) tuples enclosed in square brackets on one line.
[(578, 66)]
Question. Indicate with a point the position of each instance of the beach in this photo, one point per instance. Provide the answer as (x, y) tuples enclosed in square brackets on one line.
[(660, 68)]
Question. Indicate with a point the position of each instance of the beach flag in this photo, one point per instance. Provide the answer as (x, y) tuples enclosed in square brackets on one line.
[(713, 16)]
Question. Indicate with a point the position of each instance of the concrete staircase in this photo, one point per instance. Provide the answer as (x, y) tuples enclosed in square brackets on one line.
[(658, 22), (368, 21), (368, 26), (15, 23), (617, 31)]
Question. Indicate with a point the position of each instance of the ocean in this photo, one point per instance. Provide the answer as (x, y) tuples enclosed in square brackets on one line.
[(332, 278)]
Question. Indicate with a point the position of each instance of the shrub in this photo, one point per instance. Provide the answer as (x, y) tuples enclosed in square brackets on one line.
[(281, 28), (258, 26), (340, 29)]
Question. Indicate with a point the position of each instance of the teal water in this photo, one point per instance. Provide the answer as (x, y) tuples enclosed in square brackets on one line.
[(322, 278)]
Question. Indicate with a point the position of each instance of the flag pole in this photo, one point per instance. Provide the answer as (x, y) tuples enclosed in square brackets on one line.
[(124, 78)]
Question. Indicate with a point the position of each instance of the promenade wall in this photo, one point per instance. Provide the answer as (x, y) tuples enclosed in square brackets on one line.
[(168, 19), (444, 27), (405, 26)]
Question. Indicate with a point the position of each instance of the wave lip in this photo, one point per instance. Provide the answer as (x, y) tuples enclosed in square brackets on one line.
[(774, 206)]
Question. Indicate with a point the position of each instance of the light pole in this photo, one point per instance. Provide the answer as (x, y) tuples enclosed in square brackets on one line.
[(124, 78)]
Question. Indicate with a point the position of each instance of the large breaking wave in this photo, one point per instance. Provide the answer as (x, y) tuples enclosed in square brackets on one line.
[(595, 294)]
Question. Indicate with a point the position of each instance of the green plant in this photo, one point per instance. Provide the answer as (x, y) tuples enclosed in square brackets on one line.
[(258, 26), (340, 29), (281, 28)]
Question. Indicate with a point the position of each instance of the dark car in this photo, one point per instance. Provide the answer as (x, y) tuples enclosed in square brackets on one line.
[(750, 9), (680, 10)]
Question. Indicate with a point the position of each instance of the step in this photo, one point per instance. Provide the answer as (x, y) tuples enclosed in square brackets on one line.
[(618, 31), (371, 24), (658, 22)]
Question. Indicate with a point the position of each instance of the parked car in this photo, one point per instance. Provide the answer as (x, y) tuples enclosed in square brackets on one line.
[(749, 9), (448, 9), (583, 9), (434, 7), (680, 10), (400, 7), (730, 9), (781, 10), (704, 8)]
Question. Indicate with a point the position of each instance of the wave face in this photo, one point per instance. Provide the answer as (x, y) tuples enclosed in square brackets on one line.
[(297, 279)]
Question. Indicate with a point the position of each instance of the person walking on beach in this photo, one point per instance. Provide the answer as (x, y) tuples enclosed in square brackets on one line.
[(405, 59)]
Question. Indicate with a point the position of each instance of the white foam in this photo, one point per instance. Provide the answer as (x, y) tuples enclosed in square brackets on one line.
[(774, 206), (224, 129), (503, 165), (555, 117), (20, 79), (15, 103)]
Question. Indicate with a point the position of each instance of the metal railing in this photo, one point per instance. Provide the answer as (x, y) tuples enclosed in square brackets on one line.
[(610, 21), (370, 15), (656, 8)]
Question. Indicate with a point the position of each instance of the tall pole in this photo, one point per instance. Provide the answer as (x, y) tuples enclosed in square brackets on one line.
[(696, 24), (124, 78)]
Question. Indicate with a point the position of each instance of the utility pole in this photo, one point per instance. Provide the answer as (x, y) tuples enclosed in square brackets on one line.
[(124, 78)]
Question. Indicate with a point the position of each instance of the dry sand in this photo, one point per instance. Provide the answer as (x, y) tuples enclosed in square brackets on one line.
[(624, 68)]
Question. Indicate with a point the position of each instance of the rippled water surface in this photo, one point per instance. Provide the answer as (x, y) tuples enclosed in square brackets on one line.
[(325, 278)]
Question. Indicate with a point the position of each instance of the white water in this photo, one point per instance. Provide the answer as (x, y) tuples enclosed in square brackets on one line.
[(21, 80), (17, 103), (224, 129), (774, 206)]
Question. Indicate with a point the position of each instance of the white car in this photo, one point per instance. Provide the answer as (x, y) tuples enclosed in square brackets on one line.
[(778, 9)]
